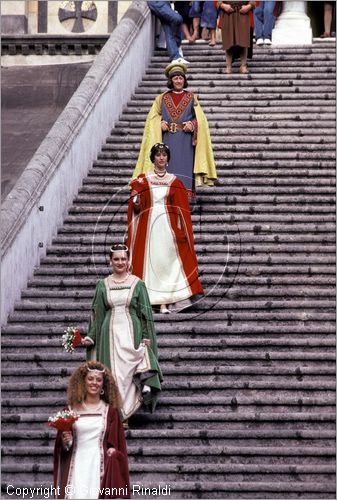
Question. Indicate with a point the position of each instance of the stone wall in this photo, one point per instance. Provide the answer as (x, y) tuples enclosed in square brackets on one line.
[(39, 201)]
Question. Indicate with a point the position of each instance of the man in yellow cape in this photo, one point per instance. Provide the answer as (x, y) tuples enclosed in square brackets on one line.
[(204, 166)]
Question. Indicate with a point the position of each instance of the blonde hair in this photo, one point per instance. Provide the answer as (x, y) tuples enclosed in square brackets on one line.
[(77, 391)]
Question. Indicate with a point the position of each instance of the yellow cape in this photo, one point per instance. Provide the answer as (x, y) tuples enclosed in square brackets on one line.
[(204, 166)]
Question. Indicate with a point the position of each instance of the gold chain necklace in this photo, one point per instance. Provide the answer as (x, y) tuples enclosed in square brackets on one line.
[(120, 281), (88, 408), (160, 175)]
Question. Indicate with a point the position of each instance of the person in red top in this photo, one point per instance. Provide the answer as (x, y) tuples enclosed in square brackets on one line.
[(160, 235), (235, 21), (91, 461)]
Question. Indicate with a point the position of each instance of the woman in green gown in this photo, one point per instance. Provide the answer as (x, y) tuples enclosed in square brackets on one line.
[(121, 334)]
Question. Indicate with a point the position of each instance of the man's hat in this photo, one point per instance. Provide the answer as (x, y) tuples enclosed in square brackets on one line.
[(175, 68)]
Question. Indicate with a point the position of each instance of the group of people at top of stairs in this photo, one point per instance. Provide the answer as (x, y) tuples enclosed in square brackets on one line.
[(122, 370), (237, 20)]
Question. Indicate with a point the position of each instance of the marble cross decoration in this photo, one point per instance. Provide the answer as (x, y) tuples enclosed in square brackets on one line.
[(78, 11)]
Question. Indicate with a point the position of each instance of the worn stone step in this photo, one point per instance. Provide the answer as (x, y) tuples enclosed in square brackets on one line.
[(304, 366), (142, 95), (85, 252), (247, 266), (143, 105), (253, 115), (64, 313), (260, 81), (250, 255), (199, 215), (237, 419), (94, 182), (276, 70), (277, 227), (187, 467), (265, 314), (225, 111), (227, 265), (242, 304), (289, 343), (261, 392), (256, 367), (221, 195), (103, 171), (200, 451), (172, 327)]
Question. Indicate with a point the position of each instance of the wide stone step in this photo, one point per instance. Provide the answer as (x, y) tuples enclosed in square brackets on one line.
[(209, 223), (187, 467), (282, 344), (142, 95), (268, 312), (224, 403), (273, 187), (290, 365), (293, 419), (225, 195), (249, 254), (103, 169), (199, 214), (197, 452), (308, 388), (206, 227), (298, 311), (321, 113), (277, 265), (314, 114), (227, 265), (274, 210), (288, 350), (95, 181), (277, 68), (261, 82), (223, 365), (83, 251), (197, 436), (176, 324), (291, 123), (143, 105), (242, 418)]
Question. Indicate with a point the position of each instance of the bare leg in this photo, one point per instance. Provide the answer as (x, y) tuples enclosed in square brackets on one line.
[(212, 41), (186, 31), (243, 59), (327, 18), (196, 24), (229, 59), (205, 34), (163, 309)]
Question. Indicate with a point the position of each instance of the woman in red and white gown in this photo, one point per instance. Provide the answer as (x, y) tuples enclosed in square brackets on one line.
[(91, 461), (160, 235)]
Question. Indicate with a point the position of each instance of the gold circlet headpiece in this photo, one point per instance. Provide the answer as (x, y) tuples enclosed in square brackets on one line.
[(123, 248), (95, 370)]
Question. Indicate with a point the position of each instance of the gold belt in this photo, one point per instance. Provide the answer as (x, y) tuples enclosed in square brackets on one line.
[(173, 127)]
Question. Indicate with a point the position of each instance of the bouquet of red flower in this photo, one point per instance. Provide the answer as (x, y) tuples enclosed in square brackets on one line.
[(71, 338), (63, 420)]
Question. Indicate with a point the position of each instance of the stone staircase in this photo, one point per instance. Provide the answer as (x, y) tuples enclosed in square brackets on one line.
[(247, 409)]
